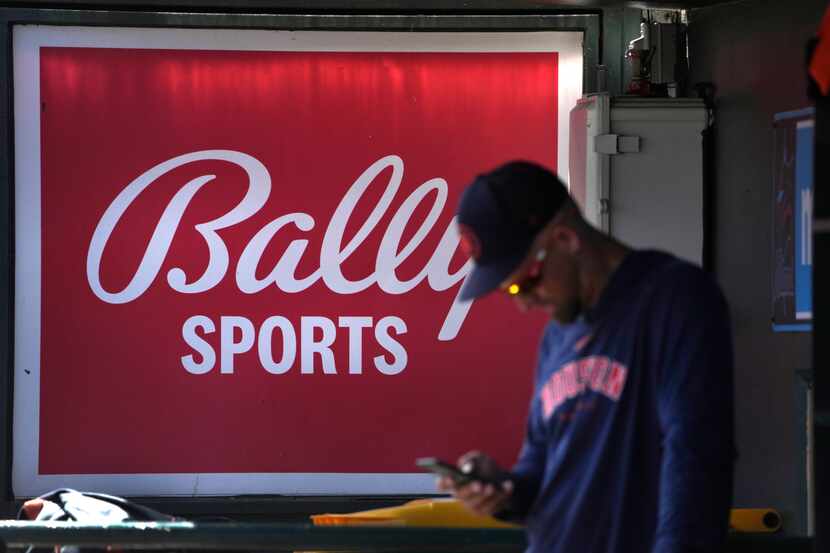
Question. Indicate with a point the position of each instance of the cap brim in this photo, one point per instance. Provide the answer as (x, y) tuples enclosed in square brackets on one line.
[(483, 279)]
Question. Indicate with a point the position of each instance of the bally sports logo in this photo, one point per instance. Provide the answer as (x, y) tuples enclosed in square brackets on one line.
[(316, 334), (240, 247)]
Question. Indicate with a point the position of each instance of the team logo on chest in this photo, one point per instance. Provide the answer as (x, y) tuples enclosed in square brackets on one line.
[(596, 373)]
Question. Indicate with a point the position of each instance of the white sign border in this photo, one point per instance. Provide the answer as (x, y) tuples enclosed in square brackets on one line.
[(27, 41)]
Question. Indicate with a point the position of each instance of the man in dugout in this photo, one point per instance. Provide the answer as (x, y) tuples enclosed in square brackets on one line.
[(629, 443)]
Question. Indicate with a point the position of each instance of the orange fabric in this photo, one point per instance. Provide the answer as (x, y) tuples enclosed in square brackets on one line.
[(820, 63)]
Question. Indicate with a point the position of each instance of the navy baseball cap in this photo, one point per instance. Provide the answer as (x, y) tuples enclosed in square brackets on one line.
[(499, 216)]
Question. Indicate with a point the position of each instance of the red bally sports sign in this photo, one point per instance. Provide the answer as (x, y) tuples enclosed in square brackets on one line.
[(237, 263)]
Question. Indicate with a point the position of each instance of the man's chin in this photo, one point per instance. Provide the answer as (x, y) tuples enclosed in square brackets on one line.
[(561, 316)]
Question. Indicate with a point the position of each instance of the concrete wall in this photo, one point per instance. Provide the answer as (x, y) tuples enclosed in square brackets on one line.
[(753, 51)]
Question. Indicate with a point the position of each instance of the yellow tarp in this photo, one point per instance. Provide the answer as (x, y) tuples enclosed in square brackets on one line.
[(448, 513)]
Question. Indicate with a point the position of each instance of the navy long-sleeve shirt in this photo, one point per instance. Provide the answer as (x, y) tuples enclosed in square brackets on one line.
[(629, 444)]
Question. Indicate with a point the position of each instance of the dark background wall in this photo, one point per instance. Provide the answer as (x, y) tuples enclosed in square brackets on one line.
[(753, 51), (620, 25)]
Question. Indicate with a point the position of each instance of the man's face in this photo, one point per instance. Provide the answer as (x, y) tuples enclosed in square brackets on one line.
[(548, 279)]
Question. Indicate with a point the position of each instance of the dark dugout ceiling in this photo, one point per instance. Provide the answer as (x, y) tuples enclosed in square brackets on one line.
[(452, 6)]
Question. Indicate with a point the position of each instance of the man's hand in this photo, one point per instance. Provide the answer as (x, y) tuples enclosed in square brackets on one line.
[(482, 498)]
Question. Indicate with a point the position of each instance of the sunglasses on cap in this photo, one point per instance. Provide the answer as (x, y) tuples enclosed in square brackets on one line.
[(534, 275)]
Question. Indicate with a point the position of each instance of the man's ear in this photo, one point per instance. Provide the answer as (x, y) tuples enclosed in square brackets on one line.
[(565, 239)]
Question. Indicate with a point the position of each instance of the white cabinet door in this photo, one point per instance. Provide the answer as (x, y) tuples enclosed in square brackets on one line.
[(656, 194)]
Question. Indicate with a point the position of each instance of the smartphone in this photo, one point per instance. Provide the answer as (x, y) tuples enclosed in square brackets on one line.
[(442, 468)]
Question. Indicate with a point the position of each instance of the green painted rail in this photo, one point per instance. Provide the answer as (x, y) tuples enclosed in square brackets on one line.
[(232, 536), (261, 537)]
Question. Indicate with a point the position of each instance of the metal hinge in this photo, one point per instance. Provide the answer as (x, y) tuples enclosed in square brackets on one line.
[(604, 206), (616, 144)]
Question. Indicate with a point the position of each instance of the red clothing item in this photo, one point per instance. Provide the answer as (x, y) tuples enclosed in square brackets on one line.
[(820, 63)]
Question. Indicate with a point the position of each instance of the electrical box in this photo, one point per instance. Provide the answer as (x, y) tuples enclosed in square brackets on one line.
[(636, 169)]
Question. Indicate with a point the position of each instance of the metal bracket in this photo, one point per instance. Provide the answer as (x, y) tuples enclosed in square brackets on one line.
[(616, 144), (604, 206)]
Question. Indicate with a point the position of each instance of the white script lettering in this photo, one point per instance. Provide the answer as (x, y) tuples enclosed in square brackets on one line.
[(333, 252)]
